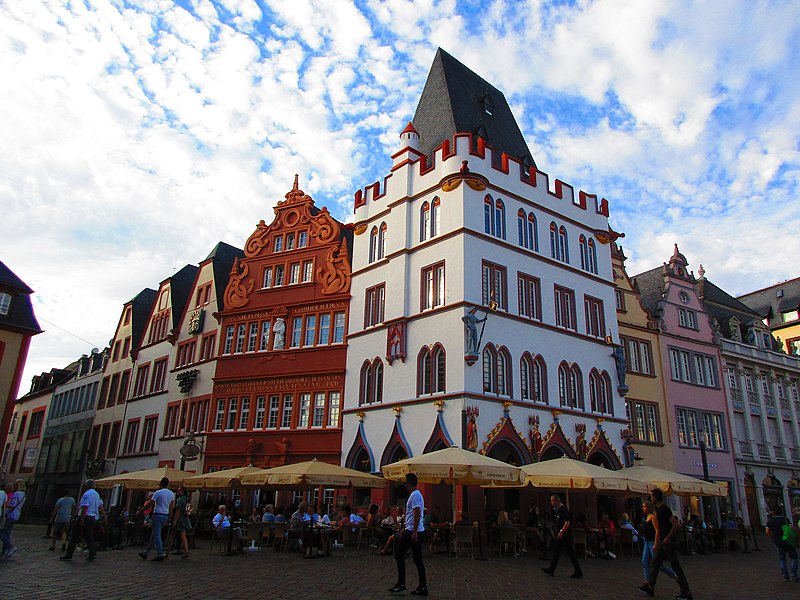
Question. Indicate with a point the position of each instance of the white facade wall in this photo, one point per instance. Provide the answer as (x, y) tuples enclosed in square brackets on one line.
[(463, 245)]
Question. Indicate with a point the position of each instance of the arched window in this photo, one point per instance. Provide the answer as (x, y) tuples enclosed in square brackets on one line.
[(373, 244), (576, 387), (539, 380), (489, 370), (563, 245), (488, 215), (525, 377), (381, 242), (584, 252), (424, 371), (553, 241), (424, 221), (436, 217), (592, 257), (594, 391), (533, 237), (503, 386), (371, 382), (439, 364), (430, 370), (521, 228), (563, 383), (607, 398), (499, 219)]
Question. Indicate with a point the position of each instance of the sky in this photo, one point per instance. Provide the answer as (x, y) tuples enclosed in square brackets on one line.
[(138, 134)]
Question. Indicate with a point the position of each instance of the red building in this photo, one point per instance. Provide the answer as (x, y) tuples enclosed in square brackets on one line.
[(277, 393)]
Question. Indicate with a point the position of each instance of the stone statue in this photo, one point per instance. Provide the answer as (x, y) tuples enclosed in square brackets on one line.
[(279, 332), (472, 433), (471, 321), (751, 334), (619, 358)]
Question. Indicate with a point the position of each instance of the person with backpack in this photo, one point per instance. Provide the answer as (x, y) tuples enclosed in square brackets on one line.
[(784, 536)]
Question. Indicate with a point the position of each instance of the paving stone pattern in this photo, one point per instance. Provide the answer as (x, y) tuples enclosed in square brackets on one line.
[(35, 572)]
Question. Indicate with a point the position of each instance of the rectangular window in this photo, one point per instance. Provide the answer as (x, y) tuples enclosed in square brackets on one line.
[(207, 346), (286, 422), (565, 307), (319, 409), (308, 271), (290, 241), (113, 390), (687, 318), (278, 244), (302, 239), (261, 405), (240, 336), (244, 415), (324, 329), (171, 420), (493, 283), (159, 381), (693, 367), (101, 402), (219, 419), (264, 343), (311, 330), (233, 408), (338, 327), (297, 331), (252, 338), (267, 279), (131, 434), (115, 353), (148, 434), (35, 428), (142, 376), (334, 402), (686, 366), (294, 273), (619, 298), (274, 407), (123, 387), (305, 407), (279, 275), (374, 304), (595, 318), (432, 286), (229, 333), (529, 296), (113, 441), (185, 354)]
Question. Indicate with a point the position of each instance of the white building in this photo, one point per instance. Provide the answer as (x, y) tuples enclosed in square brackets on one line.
[(466, 220)]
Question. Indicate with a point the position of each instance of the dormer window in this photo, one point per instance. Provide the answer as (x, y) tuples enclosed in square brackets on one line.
[(5, 303), (487, 105)]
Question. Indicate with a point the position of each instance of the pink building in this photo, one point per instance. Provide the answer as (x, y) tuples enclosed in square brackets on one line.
[(697, 411)]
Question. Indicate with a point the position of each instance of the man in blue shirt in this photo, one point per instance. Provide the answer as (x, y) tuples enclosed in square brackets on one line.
[(163, 501), (90, 509), (62, 513)]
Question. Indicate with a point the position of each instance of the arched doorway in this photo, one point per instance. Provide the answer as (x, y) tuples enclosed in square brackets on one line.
[(599, 459), (361, 461), (552, 453), (751, 500), (505, 451), (773, 493)]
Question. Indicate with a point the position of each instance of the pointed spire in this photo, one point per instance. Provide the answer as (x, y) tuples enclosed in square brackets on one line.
[(296, 185)]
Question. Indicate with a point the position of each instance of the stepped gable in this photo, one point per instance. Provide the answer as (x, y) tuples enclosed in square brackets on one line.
[(20, 317), (767, 302), (223, 256), (457, 100)]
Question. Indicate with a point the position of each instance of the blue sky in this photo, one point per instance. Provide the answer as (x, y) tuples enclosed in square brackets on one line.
[(138, 134)]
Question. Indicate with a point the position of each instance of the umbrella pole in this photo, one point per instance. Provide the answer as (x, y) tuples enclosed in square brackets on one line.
[(480, 532)]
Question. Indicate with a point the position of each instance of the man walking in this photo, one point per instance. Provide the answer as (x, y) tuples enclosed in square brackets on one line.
[(163, 501), (562, 521), (90, 509), (409, 538), (667, 527), (62, 513), (775, 525)]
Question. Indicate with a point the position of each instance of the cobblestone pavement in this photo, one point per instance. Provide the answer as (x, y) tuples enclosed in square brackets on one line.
[(34, 572)]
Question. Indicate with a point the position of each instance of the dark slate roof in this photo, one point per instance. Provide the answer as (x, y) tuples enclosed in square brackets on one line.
[(651, 287), (141, 305), (180, 288), (723, 307), (223, 256), (453, 101), (47, 382), (20, 316), (767, 303)]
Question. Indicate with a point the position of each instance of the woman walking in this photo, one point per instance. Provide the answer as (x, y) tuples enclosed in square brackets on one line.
[(14, 505), (181, 522), (649, 534)]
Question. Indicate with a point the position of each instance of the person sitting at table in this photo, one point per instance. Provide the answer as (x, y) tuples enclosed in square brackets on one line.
[(505, 522), (354, 520), (429, 521), (463, 520), (311, 535), (372, 516), (625, 523), (516, 519), (255, 515), (323, 516), (606, 536), (385, 531), (280, 515), (268, 519), (222, 524), (696, 531)]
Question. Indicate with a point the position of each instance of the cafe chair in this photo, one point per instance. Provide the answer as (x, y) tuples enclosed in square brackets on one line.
[(366, 536), (625, 538), (579, 538), (508, 537), (280, 536), (464, 537), (214, 538), (252, 536)]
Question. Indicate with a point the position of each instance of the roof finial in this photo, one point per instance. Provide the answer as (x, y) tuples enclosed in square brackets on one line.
[(701, 271), (296, 186)]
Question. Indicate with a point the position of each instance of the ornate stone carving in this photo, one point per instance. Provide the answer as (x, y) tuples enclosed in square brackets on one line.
[(237, 292), (335, 274), (257, 240)]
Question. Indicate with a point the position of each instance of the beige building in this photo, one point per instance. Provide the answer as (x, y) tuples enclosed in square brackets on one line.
[(646, 404)]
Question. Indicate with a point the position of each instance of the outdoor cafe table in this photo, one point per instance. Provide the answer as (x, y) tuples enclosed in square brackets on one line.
[(444, 530)]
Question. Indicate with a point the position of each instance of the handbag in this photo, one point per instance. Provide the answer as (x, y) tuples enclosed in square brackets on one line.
[(789, 535)]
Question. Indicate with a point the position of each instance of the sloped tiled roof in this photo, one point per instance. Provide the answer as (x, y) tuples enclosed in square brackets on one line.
[(20, 317), (141, 305), (767, 302), (223, 256), (180, 287), (455, 100), (651, 287)]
